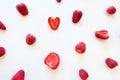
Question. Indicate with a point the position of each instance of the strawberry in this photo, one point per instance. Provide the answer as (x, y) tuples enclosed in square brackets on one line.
[(58, 1), (54, 22), (83, 74), (30, 39), (2, 26), (102, 34), (80, 47), (111, 10), (19, 75), (77, 15), (22, 9), (111, 63), (2, 51), (52, 60)]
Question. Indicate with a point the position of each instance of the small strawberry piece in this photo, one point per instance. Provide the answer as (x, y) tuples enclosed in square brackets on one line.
[(58, 1), (2, 51), (2, 26), (80, 47), (111, 63), (77, 14), (54, 22), (52, 60), (22, 9), (83, 74), (111, 10), (19, 75), (30, 39), (102, 34)]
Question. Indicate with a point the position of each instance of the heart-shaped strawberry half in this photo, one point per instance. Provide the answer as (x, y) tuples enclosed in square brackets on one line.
[(52, 60), (54, 22)]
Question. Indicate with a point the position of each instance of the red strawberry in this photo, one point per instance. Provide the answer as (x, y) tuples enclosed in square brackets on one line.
[(19, 75), (111, 63), (80, 47), (22, 9), (30, 39), (2, 51), (58, 1), (102, 34), (54, 23), (111, 10), (83, 74), (52, 60), (2, 26), (77, 14)]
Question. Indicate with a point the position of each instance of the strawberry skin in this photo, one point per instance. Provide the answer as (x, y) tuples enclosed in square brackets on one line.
[(52, 60), (111, 63), (102, 34)]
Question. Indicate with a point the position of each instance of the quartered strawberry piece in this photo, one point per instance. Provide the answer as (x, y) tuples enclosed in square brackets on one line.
[(2, 51), (80, 47), (22, 9), (2, 26), (30, 39), (52, 60), (83, 74), (111, 10), (19, 75), (54, 22), (102, 34), (111, 63), (77, 15)]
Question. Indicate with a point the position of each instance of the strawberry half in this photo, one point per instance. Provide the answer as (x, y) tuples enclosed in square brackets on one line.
[(52, 60), (19, 75), (102, 34), (80, 47), (83, 74), (54, 22), (22, 9), (111, 63), (77, 15), (2, 26)]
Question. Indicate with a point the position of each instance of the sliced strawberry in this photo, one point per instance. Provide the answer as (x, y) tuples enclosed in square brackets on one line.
[(111, 10), (2, 26), (77, 15), (19, 75), (22, 9), (102, 34), (83, 74), (54, 22), (30, 39), (80, 47), (111, 63), (2, 51), (52, 60)]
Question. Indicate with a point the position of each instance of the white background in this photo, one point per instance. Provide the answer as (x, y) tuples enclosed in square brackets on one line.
[(62, 41)]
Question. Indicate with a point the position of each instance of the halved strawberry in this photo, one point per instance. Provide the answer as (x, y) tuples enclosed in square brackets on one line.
[(54, 22), (2, 26), (102, 34), (80, 47), (111, 63), (19, 75), (52, 60)]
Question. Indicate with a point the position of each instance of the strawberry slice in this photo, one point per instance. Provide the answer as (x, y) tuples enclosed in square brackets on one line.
[(19, 75), (2, 51), (111, 10), (52, 60), (102, 34), (54, 22), (22, 9), (80, 47), (111, 63), (83, 74), (30, 39), (2, 26), (77, 15)]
